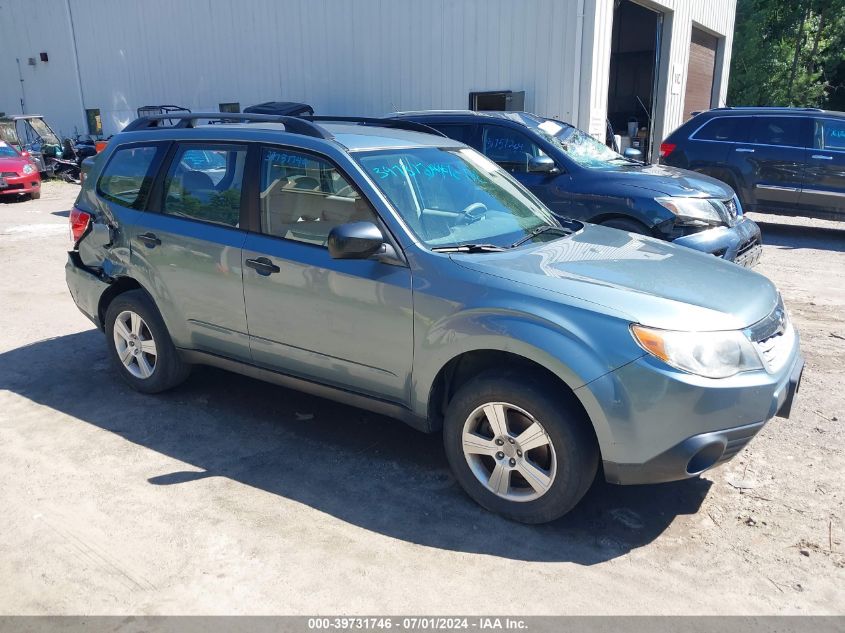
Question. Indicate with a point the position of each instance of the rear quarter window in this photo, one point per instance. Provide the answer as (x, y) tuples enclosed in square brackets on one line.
[(728, 129), (128, 176)]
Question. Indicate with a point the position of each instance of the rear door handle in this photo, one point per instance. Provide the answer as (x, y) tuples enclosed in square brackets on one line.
[(263, 266), (745, 149), (150, 240), (822, 157)]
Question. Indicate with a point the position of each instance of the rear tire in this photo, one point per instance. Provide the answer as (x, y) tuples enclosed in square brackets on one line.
[(140, 346), (546, 447), (624, 224)]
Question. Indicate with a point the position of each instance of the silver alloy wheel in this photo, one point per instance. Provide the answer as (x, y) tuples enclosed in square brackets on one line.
[(134, 343), (509, 451)]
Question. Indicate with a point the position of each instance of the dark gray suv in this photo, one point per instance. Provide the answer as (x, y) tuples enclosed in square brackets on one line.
[(408, 274)]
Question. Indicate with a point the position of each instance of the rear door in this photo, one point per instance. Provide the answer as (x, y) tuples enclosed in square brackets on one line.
[(186, 247), (824, 180), (342, 322), (771, 162)]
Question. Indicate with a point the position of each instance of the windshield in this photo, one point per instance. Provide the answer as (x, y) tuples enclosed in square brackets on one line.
[(453, 197), (580, 146), (7, 150)]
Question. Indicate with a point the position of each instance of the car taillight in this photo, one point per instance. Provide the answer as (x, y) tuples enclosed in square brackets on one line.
[(99, 146), (666, 149), (79, 221)]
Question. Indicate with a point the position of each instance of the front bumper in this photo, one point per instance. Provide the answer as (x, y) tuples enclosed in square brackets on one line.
[(656, 424), (20, 185), (741, 243)]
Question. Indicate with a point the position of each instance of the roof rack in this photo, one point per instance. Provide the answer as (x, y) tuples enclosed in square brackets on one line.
[(294, 125), (400, 124)]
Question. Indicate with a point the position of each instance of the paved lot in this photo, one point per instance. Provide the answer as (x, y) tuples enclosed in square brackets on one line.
[(233, 496)]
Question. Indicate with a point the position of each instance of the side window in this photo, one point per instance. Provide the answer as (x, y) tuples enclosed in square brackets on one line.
[(461, 133), (830, 134), (510, 148), (788, 131), (303, 198), (126, 178), (204, 183), (723, 129)]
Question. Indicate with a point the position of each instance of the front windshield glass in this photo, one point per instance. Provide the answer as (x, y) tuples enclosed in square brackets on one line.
[(7, 151), (580, 146), (43, 131), (453, 197)]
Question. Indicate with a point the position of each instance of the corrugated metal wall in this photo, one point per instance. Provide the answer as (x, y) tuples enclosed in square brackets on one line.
[(363, 57)]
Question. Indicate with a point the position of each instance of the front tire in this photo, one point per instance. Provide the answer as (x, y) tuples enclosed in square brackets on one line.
[(140, 346), (518, 447)]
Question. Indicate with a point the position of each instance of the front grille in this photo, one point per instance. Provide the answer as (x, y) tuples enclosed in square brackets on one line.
[(746, 246), (11, 186), (8, 174)]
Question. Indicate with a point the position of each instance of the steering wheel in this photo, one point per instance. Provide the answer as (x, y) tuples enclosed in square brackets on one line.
[(472, 213)]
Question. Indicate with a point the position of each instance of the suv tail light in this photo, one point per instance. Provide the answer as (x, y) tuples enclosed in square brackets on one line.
[(79, 221), (666, 149)]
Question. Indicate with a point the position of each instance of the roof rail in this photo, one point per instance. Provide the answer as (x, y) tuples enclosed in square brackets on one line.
[(769, 108), (401, 124), (294, 125)]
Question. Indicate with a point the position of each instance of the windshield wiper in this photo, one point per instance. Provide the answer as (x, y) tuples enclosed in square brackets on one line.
[(469, 248), (537, 231)]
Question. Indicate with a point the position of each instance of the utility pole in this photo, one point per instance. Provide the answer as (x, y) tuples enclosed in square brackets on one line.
[(23, 95)]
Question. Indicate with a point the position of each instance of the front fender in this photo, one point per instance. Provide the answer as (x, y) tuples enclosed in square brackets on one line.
[(573, 349)]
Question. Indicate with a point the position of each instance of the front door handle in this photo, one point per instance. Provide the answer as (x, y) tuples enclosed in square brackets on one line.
[(263, 266), (822, 157), (745, 149), (150, 240)]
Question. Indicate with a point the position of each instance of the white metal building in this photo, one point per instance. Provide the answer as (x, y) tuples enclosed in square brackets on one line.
[(582, 61)]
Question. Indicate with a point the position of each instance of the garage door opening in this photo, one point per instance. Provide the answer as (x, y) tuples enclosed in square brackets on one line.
[(634, 59), (702, 67)]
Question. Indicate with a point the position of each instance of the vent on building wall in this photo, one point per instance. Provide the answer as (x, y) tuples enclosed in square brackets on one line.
[(31, 61), (44, 57)]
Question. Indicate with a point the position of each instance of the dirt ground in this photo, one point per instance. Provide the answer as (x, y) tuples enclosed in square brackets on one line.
[(229, 495)]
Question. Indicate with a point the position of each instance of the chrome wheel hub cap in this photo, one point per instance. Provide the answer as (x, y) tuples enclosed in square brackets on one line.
[(509, 451), (134, 343)]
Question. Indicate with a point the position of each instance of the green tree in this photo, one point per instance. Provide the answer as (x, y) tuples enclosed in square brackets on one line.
[(789, 52)]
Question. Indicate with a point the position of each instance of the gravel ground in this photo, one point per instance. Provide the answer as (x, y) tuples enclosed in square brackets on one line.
[(229, 495)]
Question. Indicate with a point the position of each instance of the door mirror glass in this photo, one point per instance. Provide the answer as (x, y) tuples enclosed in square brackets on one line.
[(356, 240), (633, 154), (542, 165)]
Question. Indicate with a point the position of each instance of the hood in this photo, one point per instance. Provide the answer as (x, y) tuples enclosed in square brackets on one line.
[(655, 283), (12, 163), (670, 181)]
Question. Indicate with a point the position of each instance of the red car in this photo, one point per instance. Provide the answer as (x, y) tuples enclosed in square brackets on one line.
[(18, 175)]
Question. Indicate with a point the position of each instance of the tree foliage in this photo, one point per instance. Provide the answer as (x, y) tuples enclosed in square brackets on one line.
[(789, 52)]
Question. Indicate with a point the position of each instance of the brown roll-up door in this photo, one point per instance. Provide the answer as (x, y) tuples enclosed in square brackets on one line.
[(702, 65)]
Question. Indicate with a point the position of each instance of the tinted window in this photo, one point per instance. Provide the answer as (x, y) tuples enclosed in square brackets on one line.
[(127, 176), (829, 134), (204, 183), (303, 197), (723, 129), (461, 133), (7, 150), (510, 148), (779, 131)]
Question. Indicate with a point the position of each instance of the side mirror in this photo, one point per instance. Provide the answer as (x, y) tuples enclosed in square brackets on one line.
[(633, 154), (542, 165), (356, 240)]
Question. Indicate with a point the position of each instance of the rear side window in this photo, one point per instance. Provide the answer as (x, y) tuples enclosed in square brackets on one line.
[(127, 177), (461, 133), (787, 131), (729, 129), (204, 183), (510, 148), (829, 134)]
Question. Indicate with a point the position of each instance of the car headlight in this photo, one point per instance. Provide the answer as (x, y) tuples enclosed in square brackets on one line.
[(708, 354), (701, 211), (28, 168)]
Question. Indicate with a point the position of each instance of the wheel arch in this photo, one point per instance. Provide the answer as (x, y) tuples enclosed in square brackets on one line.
[(119, 286)]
